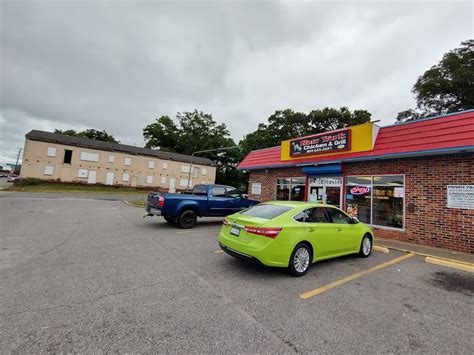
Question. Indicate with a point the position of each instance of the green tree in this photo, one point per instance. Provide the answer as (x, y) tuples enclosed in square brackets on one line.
[(446, 87), (287, 124), (89, 133), (196, 131)]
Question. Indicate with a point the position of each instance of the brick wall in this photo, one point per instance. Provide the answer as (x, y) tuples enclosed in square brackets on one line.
[(268, 180), (431, 223)]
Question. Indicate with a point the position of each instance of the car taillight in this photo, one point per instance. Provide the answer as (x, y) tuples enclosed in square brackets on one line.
[(266, 232), (161, 201), (225, 222)]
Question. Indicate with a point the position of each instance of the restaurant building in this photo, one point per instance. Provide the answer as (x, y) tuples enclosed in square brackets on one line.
[(412, 182)]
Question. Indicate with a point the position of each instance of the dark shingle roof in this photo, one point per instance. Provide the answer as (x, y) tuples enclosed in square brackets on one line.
[(113, 147)]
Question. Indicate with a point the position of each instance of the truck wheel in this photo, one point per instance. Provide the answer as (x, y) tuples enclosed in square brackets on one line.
[(187, 219), (169, 219)]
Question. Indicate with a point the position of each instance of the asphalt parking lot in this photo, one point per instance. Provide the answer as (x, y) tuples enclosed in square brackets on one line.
[(88, 275)]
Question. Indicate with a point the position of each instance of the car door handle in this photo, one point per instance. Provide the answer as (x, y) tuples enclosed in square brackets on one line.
[(310, 229)]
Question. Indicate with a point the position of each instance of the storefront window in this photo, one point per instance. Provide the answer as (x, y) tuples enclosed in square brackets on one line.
[(291, 189), (379, 201), (358, 197)]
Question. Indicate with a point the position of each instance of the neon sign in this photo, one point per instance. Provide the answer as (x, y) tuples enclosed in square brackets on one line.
[(360, 190)]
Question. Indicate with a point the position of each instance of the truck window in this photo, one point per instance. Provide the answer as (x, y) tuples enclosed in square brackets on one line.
[(218, 191), (200, 190)]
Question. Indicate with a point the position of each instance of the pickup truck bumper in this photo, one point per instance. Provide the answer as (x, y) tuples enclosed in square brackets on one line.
[(153, 211)]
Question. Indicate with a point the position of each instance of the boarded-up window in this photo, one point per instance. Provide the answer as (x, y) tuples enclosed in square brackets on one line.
[(163, 180), (127, 161), (204, 171), (48, 170), (183, 182), (149, 179), (87, 156), (185, 168), (151, 164), (125, 177), (165, 166), (111, 158), (51, 152), (82, 173)]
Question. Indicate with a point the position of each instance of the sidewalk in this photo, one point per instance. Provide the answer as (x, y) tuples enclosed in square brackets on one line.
[(427, 251)]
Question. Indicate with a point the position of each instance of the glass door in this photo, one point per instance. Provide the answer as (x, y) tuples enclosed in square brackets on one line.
[(333, 195)]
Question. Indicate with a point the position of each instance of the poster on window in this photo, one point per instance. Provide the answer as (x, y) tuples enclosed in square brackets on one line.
[(461, 196)]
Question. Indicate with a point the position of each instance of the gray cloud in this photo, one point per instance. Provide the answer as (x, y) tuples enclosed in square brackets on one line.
[(119, 65)]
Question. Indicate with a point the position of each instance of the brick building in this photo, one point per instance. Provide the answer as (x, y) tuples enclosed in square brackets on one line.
[(412, 182), (51, 156)]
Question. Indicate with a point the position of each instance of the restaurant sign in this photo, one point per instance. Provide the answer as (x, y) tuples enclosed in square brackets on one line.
[(330, 142)]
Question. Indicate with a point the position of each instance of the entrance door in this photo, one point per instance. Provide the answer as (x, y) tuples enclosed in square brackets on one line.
[(333, 195), (92, 177), (172, 188), (110, 178)]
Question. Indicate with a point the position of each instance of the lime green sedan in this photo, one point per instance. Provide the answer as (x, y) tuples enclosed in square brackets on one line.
[(293, 235)]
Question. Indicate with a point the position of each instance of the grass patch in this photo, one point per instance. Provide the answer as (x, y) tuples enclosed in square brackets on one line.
[(137, 203), (75, 188)]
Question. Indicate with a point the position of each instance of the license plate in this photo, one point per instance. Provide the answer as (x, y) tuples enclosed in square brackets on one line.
[(155, 211), (235, 231)]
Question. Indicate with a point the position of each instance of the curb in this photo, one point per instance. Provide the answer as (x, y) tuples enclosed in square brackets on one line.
[(381, 249), (450, 264)]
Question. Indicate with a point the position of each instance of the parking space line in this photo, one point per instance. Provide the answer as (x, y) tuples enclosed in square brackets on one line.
[(381, 249), (346, 279), (197, 230), (218, 251), (451, 264)]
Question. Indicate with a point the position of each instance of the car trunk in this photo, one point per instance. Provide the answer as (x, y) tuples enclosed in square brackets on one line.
[(237, 224)]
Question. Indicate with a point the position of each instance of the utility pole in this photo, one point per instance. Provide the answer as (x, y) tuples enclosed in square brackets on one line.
[(17, 158), (205, 151)]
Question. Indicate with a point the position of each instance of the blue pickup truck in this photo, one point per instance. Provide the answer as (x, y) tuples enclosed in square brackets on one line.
[(202, 201)]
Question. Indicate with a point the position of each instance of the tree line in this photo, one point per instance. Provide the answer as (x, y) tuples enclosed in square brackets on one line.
[(446, 87)]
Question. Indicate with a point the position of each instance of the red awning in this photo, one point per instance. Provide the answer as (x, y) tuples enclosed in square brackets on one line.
[(450, 133)]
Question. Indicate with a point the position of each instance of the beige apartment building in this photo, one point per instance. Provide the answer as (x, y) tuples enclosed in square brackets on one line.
[(50, 156)]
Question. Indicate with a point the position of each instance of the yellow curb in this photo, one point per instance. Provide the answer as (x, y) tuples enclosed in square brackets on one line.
[(349, 278), (432, 256), (451, 264), (381, 249)]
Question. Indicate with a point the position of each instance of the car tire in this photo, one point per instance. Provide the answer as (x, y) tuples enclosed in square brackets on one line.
[(365, 246), (187, 219), (300, 260)]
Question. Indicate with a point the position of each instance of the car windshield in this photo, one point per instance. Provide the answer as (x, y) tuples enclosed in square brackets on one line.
[(266, 211)]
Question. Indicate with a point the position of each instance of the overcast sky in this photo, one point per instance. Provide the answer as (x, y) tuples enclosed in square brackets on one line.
[(118, 65)]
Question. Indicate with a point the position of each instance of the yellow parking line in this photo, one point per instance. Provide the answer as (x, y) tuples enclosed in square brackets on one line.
[(196, 230), (451, 264), (344, 280), (218, 251), (381, 249)]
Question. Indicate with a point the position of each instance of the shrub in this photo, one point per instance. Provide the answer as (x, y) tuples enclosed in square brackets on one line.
[(30, 181)]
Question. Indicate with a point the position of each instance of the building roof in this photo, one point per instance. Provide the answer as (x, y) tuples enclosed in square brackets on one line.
[(451, 133), (113, 147)]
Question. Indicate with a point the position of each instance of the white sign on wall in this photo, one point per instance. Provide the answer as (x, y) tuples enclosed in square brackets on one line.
[(461, 196), (331, 181), (256, 188)]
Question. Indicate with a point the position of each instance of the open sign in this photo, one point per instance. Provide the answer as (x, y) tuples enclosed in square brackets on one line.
[(360, 190)]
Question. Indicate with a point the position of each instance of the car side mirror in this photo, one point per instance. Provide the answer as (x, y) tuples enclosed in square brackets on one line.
[(354, 220), (244, 196)]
